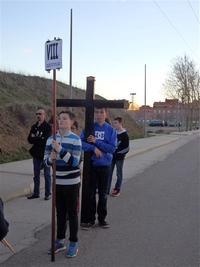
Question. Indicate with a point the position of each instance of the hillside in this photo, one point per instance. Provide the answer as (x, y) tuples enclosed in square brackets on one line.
[(21, 96)]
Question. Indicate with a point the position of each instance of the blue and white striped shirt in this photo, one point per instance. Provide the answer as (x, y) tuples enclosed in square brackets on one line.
[(67, 161)]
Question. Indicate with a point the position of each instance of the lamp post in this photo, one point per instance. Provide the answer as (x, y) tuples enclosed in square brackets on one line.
[(145, 118), (70, 63), (132, 94)]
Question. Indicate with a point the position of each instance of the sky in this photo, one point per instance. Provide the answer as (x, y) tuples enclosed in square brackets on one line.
[(111, 40)]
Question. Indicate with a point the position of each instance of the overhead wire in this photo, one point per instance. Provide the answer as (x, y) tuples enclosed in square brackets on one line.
[(175, 29), (193, 11)]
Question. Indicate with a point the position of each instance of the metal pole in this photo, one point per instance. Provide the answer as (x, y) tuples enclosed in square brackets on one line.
[(70, 67), (177, 114), (132, 94), (132, 102), (145, 101)]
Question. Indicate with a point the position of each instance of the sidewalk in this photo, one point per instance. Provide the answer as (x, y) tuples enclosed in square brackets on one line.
[(16, 178)]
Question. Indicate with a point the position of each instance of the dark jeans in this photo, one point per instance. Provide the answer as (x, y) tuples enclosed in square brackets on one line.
[(47, 176), (119, 171), (99, 177), (66, 203)]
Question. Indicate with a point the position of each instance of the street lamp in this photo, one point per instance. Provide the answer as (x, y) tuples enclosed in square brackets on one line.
[(132, 94), (132, 99)]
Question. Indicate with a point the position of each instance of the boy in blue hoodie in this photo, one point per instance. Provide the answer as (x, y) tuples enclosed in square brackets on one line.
[(102, 144)]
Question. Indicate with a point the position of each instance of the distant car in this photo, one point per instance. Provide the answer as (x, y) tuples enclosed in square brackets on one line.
[(156, 123), (172, 124)]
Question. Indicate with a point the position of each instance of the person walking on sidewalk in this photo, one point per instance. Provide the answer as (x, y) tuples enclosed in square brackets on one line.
[(102, 144), (38, 135), (118, 157), (66, 149)]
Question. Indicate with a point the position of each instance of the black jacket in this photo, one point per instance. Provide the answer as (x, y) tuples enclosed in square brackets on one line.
[(122, 147), (41, 133), (3, 223)]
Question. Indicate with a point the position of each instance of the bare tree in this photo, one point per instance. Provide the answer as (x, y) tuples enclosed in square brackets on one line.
[(183, 83)]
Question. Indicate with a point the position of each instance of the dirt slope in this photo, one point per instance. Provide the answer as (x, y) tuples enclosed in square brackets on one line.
[(21, 96)]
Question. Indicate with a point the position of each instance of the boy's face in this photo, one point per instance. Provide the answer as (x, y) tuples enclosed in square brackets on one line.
[(117, 125), (64, 121), (100, 115)]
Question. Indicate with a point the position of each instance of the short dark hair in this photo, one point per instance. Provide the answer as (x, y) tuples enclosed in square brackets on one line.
[(70, 113), (75, 124), (101, 108), (108, 120), (119, 119)]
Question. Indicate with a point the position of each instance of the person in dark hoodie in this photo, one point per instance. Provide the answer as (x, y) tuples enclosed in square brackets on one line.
[(4, 225), (38, 135), (102, 143), (118, 157)]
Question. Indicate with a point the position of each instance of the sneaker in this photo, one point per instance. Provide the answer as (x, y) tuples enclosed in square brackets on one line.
[(47, 197), (115, 193), (59, 246), (88, 226), (73, 250), (104, 224), (32, 196)]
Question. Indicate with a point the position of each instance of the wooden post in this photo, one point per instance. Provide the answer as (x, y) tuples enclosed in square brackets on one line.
[(54, 172), (89, 117), (53, 61)]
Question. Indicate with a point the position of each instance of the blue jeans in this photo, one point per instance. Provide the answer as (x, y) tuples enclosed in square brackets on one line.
[(99, 176), (119, 171), (37, 163)]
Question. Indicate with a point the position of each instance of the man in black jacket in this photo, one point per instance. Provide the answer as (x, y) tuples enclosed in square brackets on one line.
[(122, 149), (38, 135)]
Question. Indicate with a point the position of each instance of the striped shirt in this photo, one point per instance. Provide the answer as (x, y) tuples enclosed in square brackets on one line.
[(67, 161)]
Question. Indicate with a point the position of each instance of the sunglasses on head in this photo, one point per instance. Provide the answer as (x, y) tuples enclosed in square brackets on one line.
[(38, 113)]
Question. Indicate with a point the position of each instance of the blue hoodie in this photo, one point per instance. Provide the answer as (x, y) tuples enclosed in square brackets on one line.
[(106, 139)]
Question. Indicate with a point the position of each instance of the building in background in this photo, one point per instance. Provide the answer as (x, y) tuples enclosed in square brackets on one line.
[(166, 111), (171, 111), (140, 113)]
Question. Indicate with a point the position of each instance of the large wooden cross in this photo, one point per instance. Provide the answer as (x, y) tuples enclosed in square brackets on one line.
[(89, 103)]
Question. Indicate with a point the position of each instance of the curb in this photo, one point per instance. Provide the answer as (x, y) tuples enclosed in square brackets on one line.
[(142, 150), (21, 191)]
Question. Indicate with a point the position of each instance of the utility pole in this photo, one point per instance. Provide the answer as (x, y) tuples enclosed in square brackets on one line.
[(145, 102), (70, 64)]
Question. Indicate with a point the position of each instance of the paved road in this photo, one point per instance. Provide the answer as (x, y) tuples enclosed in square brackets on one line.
[(154, 222)]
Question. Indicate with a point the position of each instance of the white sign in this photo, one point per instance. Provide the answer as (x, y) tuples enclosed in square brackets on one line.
[(53, 55)]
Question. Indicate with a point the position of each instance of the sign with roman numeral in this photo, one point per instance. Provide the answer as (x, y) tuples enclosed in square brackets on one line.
[(53, 55)]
